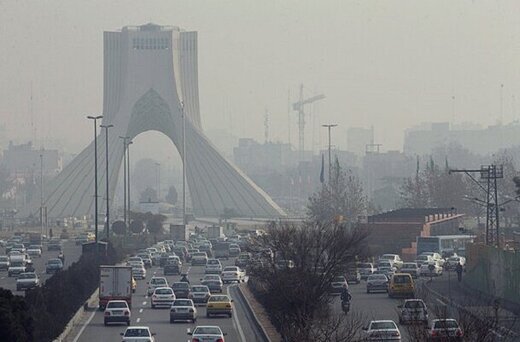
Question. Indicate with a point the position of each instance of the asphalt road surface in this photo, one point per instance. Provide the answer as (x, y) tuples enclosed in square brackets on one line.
[(238, 328), (70, 251)]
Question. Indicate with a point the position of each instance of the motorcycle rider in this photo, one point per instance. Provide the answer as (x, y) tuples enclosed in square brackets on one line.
[(346, 297)]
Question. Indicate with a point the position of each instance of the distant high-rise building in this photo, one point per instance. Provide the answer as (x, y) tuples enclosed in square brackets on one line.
[(422, 140), (24, 160)]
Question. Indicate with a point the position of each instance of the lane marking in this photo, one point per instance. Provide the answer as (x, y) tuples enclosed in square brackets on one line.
[(138, 320), (440, 301), (85, 325), (236, 322), (140, 310), (144, 303)]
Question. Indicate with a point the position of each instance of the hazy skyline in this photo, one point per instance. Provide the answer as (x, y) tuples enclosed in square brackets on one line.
[(391, 64)]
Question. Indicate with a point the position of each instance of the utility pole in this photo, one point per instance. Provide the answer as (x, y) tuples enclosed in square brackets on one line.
[(184, 161), (329, 126), (95, 119), (124, 176), (107, 178), (489, 175)]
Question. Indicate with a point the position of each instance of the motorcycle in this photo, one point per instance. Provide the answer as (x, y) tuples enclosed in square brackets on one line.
[(345, 306)]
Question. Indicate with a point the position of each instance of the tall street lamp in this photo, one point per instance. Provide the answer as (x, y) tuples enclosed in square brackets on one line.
[(329, 126), (107, 178), (158, 180), (95, 119), (128, 176), (125, 172), (184, 161)]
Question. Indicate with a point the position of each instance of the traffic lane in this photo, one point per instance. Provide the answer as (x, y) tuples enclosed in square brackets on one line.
[(371, 306), (159, 319), (71, 252)]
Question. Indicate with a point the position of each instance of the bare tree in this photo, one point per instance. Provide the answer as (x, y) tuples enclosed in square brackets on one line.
[(342, 197), (293, 278)]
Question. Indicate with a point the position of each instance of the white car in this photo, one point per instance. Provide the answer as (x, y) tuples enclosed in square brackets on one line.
[(154, 283), (26, 281), (139, 272), (432, 269), (365, 269), (4, 262), (423, 259), (394, 259), (199, 258), (162, 296), (34, 250), (384, 330), (138, 334), (233, 273), (213, 266), (117, 311), (207, 333), (436, 257), (411, 268)]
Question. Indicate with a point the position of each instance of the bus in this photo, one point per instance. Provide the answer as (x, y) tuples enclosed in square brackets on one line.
[(445, 245)]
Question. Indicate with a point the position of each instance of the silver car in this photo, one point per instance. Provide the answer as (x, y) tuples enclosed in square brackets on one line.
[(384, 330), (377, 282), (183, 310), (413, 310), (207, 334)]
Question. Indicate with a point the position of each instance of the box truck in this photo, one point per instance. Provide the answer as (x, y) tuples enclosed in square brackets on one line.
[(115, 282)]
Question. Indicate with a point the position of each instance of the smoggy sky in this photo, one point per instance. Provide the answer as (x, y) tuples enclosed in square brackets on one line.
[(392, 64)]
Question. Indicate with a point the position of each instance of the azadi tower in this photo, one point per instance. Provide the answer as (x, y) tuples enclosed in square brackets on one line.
[(150, 72)]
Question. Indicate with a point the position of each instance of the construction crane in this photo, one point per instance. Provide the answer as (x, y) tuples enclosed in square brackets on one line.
[(299, 107)]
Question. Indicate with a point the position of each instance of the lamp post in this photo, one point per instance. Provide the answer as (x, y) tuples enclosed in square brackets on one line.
[(329, 126), (184, 161), (41, 192), (124, 176), (128, 177), (107, 178), (95, 118), (158, 180)]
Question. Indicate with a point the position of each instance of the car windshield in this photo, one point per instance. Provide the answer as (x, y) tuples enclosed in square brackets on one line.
[(382, 325), (180, 285), (339, 279), (199, 289), (445, 325), (54, 262), (219, 298), (117, 305), (201, 254), (213, 262), (183, 302), (27, 276), (4, 258), (414, 304), (163, 291), (212, 277), (423, 257), (377, 277), (136, 332), (207, 331), (409, 265), (402, 279), (231, 269), (364, 266), (388, 257), (34, 247)]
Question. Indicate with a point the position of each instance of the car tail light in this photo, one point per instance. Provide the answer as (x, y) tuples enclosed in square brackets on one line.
[(434, 333), (395, 333), (191, 310), (195, 340), (127, 313), (172, 310), (220, 340), (228, 305), (154, 297), (107, 313), (458, 333)]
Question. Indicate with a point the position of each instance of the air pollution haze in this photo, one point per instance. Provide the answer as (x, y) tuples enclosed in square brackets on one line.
[(391, 64)]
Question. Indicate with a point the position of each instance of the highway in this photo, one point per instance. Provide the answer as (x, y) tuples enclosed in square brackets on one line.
[(70, 251), (238, 328)]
